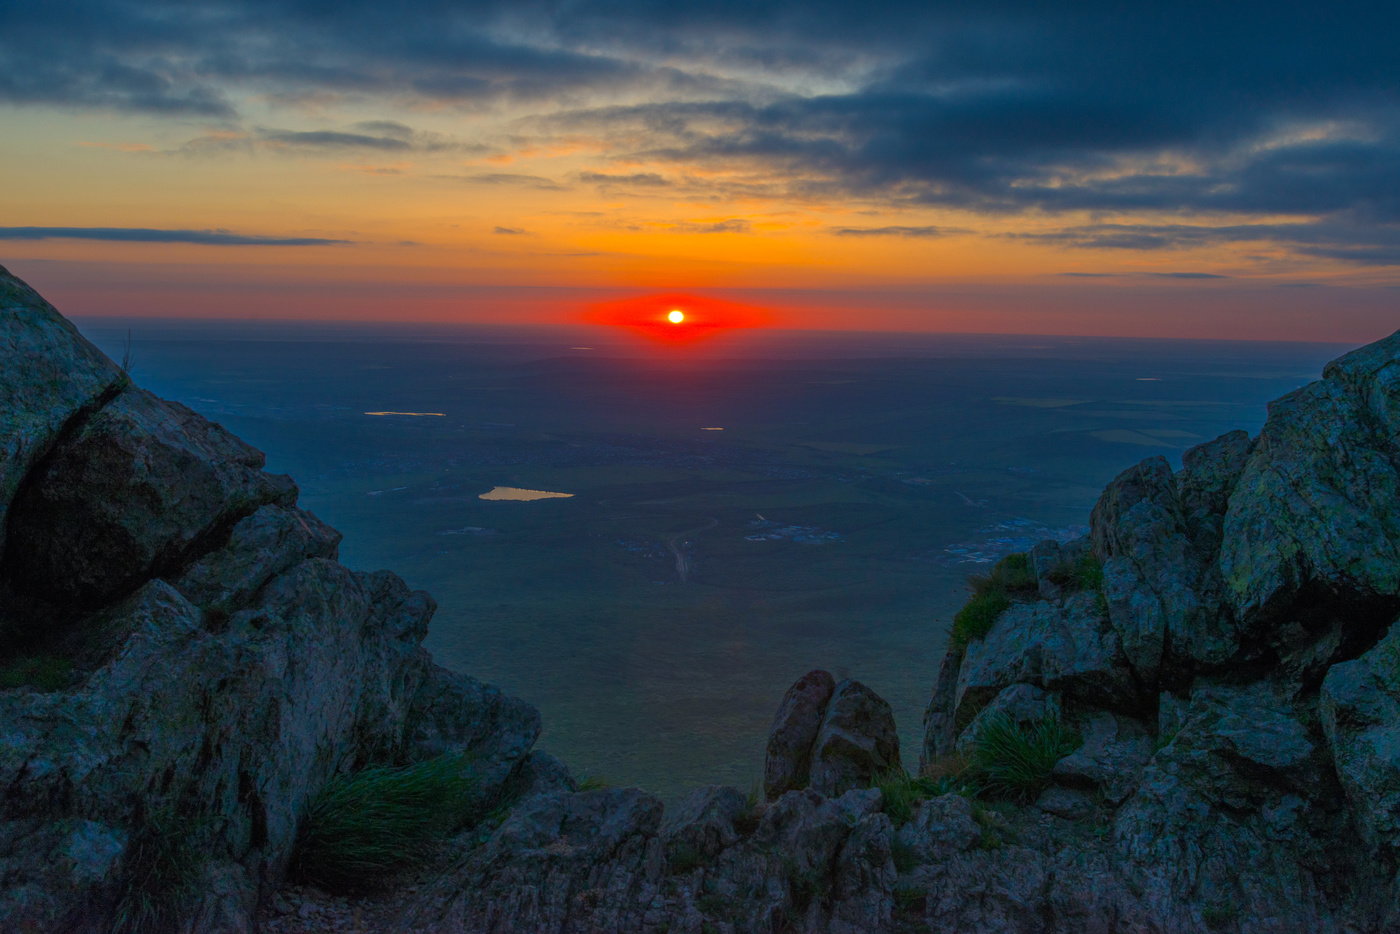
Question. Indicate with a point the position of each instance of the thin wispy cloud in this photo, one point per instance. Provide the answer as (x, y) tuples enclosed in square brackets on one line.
[(154, 235)]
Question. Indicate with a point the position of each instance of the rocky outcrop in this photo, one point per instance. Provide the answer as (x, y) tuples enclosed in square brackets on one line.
[(215, 666), (1238, 717), (788, 764), (830, 737)]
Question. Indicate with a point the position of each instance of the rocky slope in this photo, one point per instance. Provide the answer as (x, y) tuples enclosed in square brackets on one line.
[(1231, 680)]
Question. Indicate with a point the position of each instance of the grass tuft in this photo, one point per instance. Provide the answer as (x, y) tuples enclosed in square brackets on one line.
[(159, 875), (41, 672), (593, 783), (1010, 578), (1015, 761), (364, 828), (975, 619), (901, 793)]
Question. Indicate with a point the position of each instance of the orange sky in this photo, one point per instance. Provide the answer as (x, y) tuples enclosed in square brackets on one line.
[(538, 210)]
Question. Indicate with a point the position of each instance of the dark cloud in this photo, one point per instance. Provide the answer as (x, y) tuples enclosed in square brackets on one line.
[(515, 231), (1344, 237), (929, 231), (636, 179), (507, 178), (150, 235), (736, 225), (1211, 112), (323, 139), (1186, 275)]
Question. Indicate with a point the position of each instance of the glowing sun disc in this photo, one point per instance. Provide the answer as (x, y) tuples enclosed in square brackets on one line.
[(676, 317)]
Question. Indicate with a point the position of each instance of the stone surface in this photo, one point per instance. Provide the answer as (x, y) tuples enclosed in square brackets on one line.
[(787, 766), (1207, 477), (1318, 504), (1068, 648), (270, 541), (702, 826), (52, 378), (1111, 759), (857, 741), (1160, 587), (940, 828), (940, 731), (142, 488), (1360, 707), (1069, 803)]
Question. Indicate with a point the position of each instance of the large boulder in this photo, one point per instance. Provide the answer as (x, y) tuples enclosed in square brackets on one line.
[(1207, 477), (857, 742), (830, 737), (53, 378), (1315, 515), (267, 543), (141, 489), (787, 765), (1360, 707), (1068, 647), (1158, 583), (1236, 816)]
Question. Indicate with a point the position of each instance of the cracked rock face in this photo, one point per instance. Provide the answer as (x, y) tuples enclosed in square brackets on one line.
[(830, 737), (223, 666), (138, 487)]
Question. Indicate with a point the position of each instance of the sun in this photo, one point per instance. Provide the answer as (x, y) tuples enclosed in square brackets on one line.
[(676, 317)]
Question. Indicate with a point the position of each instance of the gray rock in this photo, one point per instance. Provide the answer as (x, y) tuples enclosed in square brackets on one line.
[(787, 765), (857, 741), (53, 379), (560, 862), (1318, 503), (1160, 587), (939, 727), (702, 826), (261, 546), (940, 828), (1207, 477), (1069, 803), (539, 773), (1360, 708), (141, 489), (243, 725), (1111, 759), (1068, 648), (1235, 815), (455, 713)]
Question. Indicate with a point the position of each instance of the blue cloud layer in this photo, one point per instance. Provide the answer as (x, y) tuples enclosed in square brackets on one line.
[(1210, 111)]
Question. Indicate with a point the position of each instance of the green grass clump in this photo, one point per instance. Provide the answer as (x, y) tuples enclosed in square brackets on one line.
[(1015, 761), (975, 619), (593, 783), (43, 672), (901, 793), (1011, 577), (159, 875), (1088, 573), (365, 827)]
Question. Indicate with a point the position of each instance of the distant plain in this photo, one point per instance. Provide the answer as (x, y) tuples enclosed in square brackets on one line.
[(657, 614)]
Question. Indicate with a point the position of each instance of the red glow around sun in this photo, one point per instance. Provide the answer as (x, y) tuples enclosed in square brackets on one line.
[(677, 319)]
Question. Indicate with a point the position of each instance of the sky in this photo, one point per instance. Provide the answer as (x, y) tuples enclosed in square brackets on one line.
[(1214, 170)]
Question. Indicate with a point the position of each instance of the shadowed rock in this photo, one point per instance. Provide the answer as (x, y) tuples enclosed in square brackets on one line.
[(857, 741), (787, 765), (1318, 505), (142, 488), (52, 376)]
